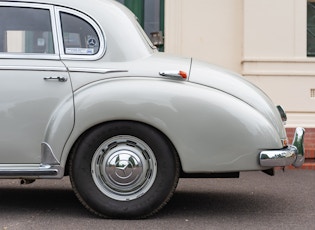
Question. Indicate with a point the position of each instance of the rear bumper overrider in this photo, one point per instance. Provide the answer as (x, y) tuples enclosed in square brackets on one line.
[(290, 155)]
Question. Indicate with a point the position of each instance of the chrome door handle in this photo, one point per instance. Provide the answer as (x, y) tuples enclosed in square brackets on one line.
[(61, 79)]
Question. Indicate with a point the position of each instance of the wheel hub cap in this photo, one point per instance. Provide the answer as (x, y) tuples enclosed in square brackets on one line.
[(124, 167)]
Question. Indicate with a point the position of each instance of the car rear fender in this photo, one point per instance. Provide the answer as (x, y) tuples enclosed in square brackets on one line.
[(212, 131)]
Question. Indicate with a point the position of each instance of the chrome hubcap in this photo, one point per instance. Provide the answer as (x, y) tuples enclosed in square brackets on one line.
[(124, 167)]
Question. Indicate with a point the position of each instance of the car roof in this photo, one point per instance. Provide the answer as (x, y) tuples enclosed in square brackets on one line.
[(76, 4)]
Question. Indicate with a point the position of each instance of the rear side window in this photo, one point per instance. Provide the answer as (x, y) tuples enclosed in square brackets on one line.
[(79, 37), (25, 30)]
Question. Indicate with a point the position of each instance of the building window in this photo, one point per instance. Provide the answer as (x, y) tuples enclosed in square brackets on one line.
[(311, 28)]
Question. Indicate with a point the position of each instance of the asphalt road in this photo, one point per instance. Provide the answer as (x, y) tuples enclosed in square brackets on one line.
[(254, 201)]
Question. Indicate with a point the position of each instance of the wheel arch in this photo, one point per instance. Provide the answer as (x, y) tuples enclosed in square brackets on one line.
[(86, 132)]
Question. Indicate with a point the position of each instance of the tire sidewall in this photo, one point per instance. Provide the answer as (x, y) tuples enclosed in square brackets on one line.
[(150, 202)]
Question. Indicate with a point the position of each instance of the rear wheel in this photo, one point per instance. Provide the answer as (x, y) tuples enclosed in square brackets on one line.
[(124, 170)]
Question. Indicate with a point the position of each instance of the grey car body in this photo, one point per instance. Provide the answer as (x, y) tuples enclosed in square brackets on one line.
[(84, 93)]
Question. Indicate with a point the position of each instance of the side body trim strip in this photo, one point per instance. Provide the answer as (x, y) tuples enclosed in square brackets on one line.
[(34, 68)]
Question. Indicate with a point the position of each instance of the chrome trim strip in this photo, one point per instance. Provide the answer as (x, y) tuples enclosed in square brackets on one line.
[(25, 171), (291, 155), (27, 5), (93, 70), (34, 68), (29, 56), (28, 173), (54, 31), (298, 142)]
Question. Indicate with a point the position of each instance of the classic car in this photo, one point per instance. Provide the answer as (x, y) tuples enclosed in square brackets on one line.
[(85, 94)]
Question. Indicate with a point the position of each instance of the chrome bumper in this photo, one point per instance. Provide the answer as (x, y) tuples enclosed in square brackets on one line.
[(291, 155)]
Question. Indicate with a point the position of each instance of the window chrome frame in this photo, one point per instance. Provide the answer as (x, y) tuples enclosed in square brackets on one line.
[(45, 56), (99, 31)]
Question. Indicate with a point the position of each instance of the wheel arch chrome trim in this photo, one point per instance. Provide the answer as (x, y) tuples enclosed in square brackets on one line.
[(48, 157)]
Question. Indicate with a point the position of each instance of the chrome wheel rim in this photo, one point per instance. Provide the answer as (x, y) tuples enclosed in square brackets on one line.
[(124, 167)]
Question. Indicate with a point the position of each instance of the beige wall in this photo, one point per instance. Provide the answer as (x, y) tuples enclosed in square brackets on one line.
[(264, 40), (209, 30)]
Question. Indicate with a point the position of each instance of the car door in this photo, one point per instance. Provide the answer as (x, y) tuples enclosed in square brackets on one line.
[(34, 85)]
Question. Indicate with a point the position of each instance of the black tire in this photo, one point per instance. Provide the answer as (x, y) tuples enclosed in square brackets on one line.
[(124, 170)]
